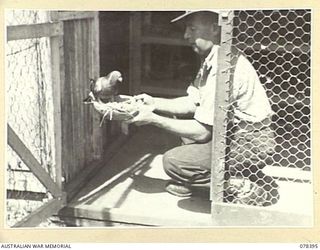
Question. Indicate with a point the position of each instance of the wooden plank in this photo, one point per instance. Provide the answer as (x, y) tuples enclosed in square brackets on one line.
[(72, 221), (29, 31), (220, 117), (233, 215), (84, 93), (57, 68), (76, 79), (94, 117), (54, 15), (97, 131), (26, 156), (89, 118), (288, 212), (82, 84), (73, 15), (82, 61), (40, 214), (68, 116), (127, 216), (25, 195), (66, 103)]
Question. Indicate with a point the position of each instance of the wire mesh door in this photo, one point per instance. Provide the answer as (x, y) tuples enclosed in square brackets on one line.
[(32, 100), (265, 56)]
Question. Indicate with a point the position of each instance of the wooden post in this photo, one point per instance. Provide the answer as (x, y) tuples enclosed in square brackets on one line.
[(97, 136), (220, 112), (57, 67), (29, 31), (135, 53), (40, 214)]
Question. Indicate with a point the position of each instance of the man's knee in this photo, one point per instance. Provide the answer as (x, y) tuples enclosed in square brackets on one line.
[(168, 162)]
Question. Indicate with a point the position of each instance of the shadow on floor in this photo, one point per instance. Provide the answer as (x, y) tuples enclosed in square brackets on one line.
[(102, 186), (195, 204), (133, 161), (149, 185), (135, 155)]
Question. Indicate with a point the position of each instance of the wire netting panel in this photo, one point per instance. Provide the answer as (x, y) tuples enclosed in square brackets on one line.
[(19, 17), (19, 176), (277, 44), (29, 107), (29, 96), (25, 193)]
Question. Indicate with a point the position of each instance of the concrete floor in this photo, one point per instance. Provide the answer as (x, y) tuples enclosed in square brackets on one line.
[(136, 192), (130, 189)]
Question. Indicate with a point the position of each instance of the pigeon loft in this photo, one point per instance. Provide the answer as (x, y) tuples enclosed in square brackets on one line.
[(102, 176)]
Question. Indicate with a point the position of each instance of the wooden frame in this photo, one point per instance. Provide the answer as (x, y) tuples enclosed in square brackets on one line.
[(18, 194), (29, 31), (97, 131), (26, 156), (118, 215), (72, 15), (54, 31), (57, 64), (41, 213), (81, 134), (220, 107), (224, 214), (229, 214)]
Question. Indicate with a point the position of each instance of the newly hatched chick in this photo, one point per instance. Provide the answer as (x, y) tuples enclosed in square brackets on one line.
[(105, 88)]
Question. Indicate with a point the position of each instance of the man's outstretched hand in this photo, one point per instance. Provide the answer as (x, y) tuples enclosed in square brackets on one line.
[(146, 100), (144, 117)]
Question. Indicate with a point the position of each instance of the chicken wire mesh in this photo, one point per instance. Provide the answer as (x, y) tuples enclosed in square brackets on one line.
[(19, 17), (277, 43), (25, 192), (29, 107)]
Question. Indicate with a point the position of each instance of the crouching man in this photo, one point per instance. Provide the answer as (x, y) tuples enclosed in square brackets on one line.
[(251, 140)]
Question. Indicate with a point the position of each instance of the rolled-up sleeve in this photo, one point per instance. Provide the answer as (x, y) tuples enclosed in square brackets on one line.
[(203, 98), (194, 94)]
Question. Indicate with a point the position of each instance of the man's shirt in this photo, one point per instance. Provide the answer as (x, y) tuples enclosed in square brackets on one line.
[(249, 98)]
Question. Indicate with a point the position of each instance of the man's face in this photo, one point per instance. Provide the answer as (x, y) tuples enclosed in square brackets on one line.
[(199, 34)]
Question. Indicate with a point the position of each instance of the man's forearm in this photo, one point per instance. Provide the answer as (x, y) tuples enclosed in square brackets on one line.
[(191, 129), (177, 106)]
